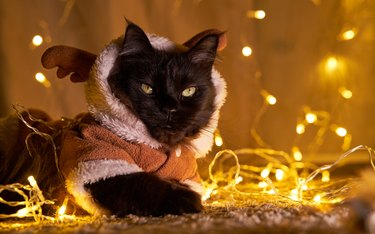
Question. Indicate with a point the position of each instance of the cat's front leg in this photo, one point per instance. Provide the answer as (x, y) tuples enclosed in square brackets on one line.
[(143, 194)]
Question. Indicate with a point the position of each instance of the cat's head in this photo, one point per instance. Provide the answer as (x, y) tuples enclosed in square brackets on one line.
[(148, 89), (170, 91)]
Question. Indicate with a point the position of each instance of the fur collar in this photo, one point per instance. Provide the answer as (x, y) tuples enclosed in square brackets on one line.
[(115, 116)]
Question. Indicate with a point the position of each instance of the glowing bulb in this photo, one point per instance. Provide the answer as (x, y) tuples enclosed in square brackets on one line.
[(218, 140), (294, 195), (297, 155), (279, 174), (340, 131), (325, 176), (331, 64), (247, 51), (271, 100), (62, 209), (300, 128), (258, 14), (239, 179), (348, 35), (207, 194), (32, 181), (317, 198), (40, 77), (23, 212), (345, 93), (311, 117), (266, 171), (262, 184), (37, 40), (272, 191)]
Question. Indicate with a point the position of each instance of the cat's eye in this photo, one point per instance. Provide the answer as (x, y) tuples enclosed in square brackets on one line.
[(147, 89), (189, 92)]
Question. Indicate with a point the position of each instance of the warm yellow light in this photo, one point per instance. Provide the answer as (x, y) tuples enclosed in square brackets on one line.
[(325, 176), (37, 40), (340, 131), (311, 117), (41, 78), (272, 191), (294, 195), (271, 100), (247, 51), (207, 194), (297, 155), (218, 140), (259, 14), (300, 128), (262, 184), (62, 210), (331, 64), (23, 212), (317, 198), (279, 174), (32, 181), (348, 35), (345, 93), (266, 171), (239, 179)]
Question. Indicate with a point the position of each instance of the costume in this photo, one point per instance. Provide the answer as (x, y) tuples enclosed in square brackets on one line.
[(107, 141)]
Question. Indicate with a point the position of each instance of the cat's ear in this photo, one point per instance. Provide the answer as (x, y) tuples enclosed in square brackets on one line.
[(204, 51), (135, 41)]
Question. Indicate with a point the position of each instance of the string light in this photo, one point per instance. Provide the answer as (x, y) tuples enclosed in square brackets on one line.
[(297, 155), (340, 131), (311, 117), (247, 51), (218, 139), (270, 99), (258, 14), (37, 40), (41, 78), (325, 176), (294, 186), (348, 35), (345, 93), (331, 64), (300, 128)]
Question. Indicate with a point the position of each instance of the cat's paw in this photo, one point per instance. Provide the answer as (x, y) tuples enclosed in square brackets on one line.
[(144, 194)]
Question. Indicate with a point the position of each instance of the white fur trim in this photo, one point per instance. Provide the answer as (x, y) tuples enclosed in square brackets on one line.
[(114, 115), (195, 186), (91, 172)]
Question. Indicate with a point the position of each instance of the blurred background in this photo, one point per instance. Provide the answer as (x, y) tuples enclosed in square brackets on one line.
[(300, 73)]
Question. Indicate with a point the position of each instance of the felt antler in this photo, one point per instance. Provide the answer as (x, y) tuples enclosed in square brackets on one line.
[(79, 62), (69, 60)]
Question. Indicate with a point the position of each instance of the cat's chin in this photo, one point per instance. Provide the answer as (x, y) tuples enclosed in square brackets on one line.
[(167, 137)]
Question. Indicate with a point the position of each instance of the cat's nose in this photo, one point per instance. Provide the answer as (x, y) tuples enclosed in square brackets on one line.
[(170, 113)]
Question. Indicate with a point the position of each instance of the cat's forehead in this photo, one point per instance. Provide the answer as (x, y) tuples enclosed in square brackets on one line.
[(166, 45)]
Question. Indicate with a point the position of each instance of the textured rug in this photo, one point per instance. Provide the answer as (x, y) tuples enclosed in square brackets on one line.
[(250, 218)]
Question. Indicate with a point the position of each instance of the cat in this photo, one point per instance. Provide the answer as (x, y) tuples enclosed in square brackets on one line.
[(153, 106), (173, 95)]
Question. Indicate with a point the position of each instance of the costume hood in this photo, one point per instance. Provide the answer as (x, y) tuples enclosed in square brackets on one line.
[(114, 115)]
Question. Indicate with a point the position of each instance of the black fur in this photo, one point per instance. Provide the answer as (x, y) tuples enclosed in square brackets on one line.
[(144, 194), (168, 116)]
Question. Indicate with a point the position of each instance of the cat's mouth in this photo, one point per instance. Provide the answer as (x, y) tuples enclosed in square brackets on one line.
[(168, 135)]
